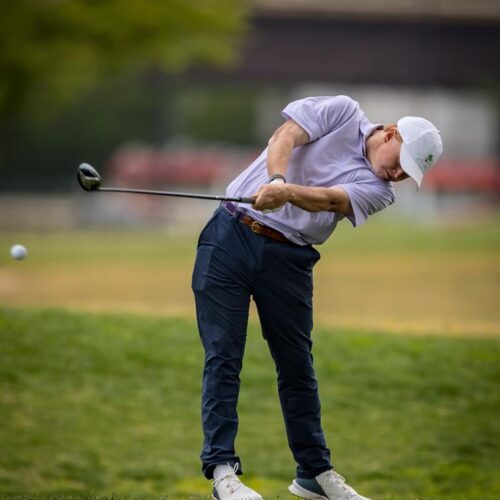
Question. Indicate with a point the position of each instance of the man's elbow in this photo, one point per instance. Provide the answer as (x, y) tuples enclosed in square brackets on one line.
[(339, 201), (290, 134), (340, 208)]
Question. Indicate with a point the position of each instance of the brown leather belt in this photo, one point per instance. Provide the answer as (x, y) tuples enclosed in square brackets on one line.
[(254, 225)]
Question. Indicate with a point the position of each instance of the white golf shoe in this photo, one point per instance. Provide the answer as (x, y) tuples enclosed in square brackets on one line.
[(229, 487), (327, 486)]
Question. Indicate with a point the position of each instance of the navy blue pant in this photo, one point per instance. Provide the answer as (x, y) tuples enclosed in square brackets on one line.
[(232, 264)]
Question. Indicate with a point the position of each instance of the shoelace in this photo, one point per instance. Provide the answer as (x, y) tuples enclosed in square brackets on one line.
[(335, 477), (233, 483)]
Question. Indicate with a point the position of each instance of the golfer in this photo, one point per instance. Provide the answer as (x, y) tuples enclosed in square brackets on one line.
[(327, 162)]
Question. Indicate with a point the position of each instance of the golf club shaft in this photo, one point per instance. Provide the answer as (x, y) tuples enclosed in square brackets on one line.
[(237, 199)]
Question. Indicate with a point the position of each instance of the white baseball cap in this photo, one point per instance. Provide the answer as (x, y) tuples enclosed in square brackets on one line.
[(422, 146)]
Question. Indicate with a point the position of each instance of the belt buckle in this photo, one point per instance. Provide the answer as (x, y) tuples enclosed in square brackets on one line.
[(255, 225)]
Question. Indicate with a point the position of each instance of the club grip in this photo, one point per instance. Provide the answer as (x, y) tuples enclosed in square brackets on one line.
[(247, 200)]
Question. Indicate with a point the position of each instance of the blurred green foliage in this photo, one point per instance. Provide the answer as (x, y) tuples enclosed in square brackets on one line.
[(38, 152), (78, 77), (53, 51), (225, 113)]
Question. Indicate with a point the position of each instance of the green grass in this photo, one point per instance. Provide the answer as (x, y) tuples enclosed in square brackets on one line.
[(384, 276), (102, 405), (379, 236), (382, 234)]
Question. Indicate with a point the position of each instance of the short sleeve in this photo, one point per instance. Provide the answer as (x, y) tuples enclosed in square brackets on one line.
[(367, 198), (320, 115)]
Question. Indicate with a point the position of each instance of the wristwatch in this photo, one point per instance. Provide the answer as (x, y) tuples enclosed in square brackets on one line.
[(276, 177)]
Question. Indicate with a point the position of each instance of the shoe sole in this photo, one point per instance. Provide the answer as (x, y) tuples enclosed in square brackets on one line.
[(298, 491), (215, 498)]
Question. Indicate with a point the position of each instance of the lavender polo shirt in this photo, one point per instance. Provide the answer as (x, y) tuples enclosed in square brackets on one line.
[(335, 156)]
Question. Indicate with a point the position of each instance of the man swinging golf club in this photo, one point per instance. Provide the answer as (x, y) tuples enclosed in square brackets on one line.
[(327, 162)]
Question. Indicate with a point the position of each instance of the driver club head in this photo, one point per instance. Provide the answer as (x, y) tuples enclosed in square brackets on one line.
[(88, 177)]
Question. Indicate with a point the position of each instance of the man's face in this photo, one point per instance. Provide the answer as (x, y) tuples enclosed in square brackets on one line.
[(386, 162)]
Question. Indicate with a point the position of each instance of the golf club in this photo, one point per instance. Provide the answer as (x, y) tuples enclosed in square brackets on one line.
[(90, 180)]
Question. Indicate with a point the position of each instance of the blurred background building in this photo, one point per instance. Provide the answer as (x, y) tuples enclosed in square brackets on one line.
[(194, 126)]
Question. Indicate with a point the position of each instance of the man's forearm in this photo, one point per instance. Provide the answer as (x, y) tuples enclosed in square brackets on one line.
[(318, 199), (312, 199), (281, 144), (278, 155)]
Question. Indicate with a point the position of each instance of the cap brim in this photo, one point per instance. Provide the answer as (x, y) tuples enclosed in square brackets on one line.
[(409, 165)]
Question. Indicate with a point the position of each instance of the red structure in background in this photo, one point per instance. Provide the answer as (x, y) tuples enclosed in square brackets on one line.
[(481, 176), (134, 166), (148, 167)]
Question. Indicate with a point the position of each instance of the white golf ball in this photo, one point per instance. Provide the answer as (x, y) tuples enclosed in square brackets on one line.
[(18, 252)]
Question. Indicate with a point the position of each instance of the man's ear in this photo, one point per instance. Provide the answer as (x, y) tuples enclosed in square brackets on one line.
[(389, 134)]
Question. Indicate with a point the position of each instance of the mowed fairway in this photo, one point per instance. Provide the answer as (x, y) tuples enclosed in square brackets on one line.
[(383, 277), (108, 404), (100, 366)]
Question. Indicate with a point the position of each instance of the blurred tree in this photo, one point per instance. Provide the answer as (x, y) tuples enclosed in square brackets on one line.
[(221, 113), (54, 50)]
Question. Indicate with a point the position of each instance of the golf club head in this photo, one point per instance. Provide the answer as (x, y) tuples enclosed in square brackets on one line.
[(88, 177)]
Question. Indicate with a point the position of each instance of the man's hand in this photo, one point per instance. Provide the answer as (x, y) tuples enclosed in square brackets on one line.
[(271, 197)]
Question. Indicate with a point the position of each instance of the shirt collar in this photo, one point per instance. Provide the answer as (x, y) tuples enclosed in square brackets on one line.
[(367, 130)]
